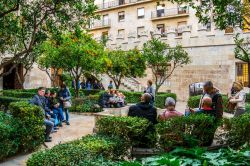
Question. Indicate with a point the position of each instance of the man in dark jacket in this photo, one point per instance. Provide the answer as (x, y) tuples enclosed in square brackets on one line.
[(217, 102), (40, 101), (144, 109)]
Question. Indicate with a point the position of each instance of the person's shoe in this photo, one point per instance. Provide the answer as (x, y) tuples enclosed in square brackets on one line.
[(48, 140), (64, 121), (56, 128), (60, 124), (67, 123), (50, 137), (53, 131)]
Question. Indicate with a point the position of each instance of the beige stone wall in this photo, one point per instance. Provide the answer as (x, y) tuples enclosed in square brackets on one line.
[(37, 78), (132, 22)]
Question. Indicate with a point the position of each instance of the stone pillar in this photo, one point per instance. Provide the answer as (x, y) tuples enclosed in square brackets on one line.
[(186, 33), (202, 30), (157, 34), (171, 33)]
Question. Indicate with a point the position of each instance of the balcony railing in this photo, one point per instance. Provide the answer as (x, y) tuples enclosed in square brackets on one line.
[(97, 24), (169, 12), (116, 3)]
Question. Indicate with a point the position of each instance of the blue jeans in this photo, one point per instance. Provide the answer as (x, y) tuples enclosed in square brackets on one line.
[(49, 126), (67, 114), (59, 113), (197, 111)]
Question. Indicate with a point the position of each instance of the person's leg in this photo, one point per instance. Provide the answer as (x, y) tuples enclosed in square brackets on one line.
[(67, 116), (60, 114), (49, 126)]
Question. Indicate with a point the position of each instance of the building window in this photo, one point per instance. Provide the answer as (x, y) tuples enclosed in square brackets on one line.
[(121, 33), (180, 26), (182, 9), (104, 36), (242, 73), (121, 2), (140, 13), (121, 16), (139, 31), (160, 10), (105, 19), (161, 28)]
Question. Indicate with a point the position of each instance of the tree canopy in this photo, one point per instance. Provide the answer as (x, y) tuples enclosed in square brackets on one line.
[(76, 53), (163, 60), (24, 24), (120, 64), (224, 13)]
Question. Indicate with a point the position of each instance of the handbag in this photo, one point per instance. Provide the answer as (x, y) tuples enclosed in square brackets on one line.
[(66, 104)]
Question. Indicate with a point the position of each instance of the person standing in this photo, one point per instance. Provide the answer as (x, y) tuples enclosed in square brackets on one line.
[(110, 86), (217, 102), (239, 99), (64, 96), (151, 91)]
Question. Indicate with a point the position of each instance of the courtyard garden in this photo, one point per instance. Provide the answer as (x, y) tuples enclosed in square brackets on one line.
[(123, 140)]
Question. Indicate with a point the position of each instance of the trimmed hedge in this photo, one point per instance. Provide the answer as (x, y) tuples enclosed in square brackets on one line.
[(131, 129), (238, 130), (160, 99), (86, 106), (78, 151), (125, 127), (18, 94), (194, 101), (22, 131), (7, 145), (188, 131), (5, 101)]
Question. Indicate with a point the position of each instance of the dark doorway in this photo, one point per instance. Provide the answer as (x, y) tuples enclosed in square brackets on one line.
[(10, 81)]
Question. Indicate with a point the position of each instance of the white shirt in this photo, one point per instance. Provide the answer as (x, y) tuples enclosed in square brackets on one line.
[(240, 99)]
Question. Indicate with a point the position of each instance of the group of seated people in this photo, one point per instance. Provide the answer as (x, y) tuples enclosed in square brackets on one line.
[(52, 105), (112, 99), (211, 104)]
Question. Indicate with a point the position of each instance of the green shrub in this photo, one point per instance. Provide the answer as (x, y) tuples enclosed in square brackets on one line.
[(28, 125), (5, 101), (7, 146), (186, 131), (18, 94), (194, 101), (160, 99), (132, 97), (91, 92), (238, 130), (248, 97), (86, 106), (75, 152), (131, 129)]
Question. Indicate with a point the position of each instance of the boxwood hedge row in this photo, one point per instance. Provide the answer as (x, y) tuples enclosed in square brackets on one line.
[(21, 130)]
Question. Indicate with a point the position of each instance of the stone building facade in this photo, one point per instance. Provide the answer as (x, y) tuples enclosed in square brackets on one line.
[(127, 24)]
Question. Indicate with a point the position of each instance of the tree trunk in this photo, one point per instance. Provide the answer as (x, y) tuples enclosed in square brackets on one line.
[(76, 87), (248, 65), (157, 87)]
